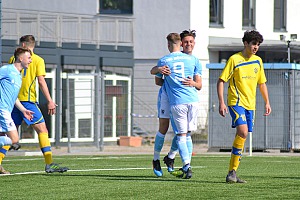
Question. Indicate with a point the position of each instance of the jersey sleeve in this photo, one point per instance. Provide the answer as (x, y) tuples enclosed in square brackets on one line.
[(161, 62), (198, 68), (228, 70), (41, 68)]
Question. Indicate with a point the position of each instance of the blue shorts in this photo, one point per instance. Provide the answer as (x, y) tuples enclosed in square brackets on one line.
[(18, 116), (241, 116)]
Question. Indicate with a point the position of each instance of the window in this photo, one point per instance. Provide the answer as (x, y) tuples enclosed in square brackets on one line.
[(249, 14), (280, 15), (216, 13), (116, 6)]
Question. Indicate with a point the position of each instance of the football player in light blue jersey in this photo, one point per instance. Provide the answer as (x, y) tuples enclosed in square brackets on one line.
[(182, 96), (10, 83)]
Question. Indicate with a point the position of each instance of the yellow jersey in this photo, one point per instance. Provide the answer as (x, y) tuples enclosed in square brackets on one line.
[(243, 75), (36, 68)]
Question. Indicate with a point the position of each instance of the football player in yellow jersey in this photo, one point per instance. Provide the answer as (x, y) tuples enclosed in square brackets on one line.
[(244, 71), (28, 98)]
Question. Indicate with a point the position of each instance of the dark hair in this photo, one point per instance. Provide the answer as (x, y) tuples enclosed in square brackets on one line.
[(189, 32), (29, 40), (19, 51), (252, 36), (173, 38)]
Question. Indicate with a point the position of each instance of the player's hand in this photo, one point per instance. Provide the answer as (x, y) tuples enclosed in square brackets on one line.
[(188, 82), (223, 110), (51, 108), (165, 70), (268, 110), (28, 114)]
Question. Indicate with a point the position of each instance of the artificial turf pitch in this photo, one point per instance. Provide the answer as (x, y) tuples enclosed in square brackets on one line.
[(131, 177)]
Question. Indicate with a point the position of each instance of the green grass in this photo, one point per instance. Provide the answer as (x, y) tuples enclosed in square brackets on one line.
[(268, 178)]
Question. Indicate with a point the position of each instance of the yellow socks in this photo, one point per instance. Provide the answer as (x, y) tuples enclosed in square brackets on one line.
[(45, 147), (3, 151), (236, 153)]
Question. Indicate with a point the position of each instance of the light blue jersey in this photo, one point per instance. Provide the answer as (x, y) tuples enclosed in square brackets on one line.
[(10, 84), (181, 66)]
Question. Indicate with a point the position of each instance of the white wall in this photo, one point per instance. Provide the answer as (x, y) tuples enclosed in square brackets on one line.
[(154, 20)]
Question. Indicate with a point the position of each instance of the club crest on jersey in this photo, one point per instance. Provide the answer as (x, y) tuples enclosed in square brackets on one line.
[(255, 70), (162, 111)]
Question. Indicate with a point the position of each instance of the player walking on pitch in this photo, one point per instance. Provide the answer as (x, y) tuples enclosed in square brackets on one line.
[(244, 71)]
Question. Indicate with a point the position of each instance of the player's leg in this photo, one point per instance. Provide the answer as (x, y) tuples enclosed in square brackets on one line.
[(7, 127), (45, 146), (4, 141), (39, 125), (158, 145), (179, 116), (160, 137), (163, 108), (192, 125), (169, 159), (239, 121), (17, 117)]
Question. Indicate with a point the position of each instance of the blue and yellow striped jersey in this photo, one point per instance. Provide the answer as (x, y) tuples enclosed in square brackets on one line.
[(243, 75)]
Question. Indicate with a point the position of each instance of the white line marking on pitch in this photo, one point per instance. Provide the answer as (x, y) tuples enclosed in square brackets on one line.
[(90, 170)]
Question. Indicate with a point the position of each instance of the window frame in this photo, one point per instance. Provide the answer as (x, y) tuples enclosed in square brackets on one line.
[(216, 13), (280, 15), (249, 14)]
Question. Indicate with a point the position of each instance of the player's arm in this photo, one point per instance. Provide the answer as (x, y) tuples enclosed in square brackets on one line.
[(26, 113), (193, 82), (198, 82), (159, 81), (220, 90), (165, 70), (44, 88), (264, 92)]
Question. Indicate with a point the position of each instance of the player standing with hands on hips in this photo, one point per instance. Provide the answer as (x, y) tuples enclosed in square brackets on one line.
[(244, 71)]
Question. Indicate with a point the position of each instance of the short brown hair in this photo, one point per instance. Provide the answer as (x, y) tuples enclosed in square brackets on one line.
[(29, 40), (173, 38), (19, 51)]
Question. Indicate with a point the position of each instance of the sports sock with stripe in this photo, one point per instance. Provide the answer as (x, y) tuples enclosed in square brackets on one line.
[(3, 152), (236, 153), (45, 147)]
